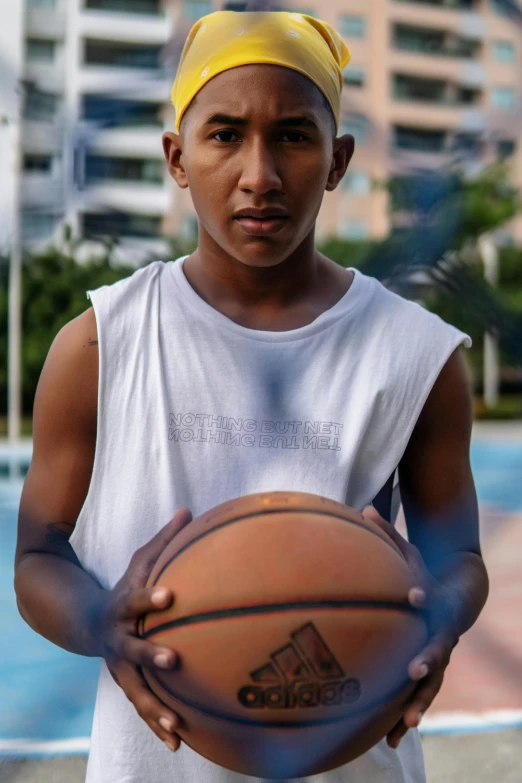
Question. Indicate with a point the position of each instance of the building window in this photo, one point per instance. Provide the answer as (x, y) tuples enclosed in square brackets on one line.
[(352, 26), (414, 88), (114, 224), (354, 229), (41, 3), (99, 168), (119, 113), (122, 55), (462, 5), (467, 96), (503, 98), (503, 8), (467, 143), (357, 182), (38, 164), (40, 51), (152, 7), (195, 9), (504, 51), (37, 225), (506, 148), (40, 106), (354, 77), (357, 126), (419, 139)]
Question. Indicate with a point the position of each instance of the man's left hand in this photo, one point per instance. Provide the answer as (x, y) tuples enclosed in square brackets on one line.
[(429, 666)]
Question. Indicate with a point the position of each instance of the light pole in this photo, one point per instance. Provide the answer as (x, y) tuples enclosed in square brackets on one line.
[(489, 253)]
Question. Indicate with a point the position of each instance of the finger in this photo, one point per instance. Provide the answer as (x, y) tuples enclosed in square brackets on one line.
[(144, 600), (422, 700), (141, 653), (418, 597), (144, 559), (162, 721), (370, 512), (396, 734), (434, 656)]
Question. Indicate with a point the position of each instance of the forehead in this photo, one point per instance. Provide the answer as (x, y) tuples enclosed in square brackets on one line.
[(272, 89)]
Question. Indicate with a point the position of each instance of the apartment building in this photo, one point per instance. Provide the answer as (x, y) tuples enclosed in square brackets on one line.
[(94, 83), (431, 83)]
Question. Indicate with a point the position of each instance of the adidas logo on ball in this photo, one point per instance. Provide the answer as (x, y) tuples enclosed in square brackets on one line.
[(303, 673)]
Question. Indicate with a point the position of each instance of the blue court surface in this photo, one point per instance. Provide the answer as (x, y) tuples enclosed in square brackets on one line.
[(47, 695)]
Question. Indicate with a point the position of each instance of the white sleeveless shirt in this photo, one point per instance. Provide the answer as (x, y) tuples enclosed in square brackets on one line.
[(194, 409)]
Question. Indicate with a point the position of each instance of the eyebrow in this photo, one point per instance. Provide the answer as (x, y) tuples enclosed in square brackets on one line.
[(283, 122)]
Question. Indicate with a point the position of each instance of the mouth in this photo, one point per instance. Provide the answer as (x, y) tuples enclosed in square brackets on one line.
[(261, 222)]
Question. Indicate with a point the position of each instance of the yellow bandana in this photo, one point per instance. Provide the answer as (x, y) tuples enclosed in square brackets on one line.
[(228, 39)]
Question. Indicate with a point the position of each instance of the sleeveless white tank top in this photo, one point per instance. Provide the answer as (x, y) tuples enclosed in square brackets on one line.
[(194, 409)]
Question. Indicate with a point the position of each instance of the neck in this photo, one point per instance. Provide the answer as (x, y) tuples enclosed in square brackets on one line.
[(221, 279)]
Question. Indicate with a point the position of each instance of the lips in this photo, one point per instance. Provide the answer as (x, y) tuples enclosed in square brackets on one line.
[(261, 222)]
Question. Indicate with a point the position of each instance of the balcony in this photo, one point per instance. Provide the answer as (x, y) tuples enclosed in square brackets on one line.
[(436, 92), (45, 23), (42, 190), (434, 43), (462, 20), (128, 197), (46, 76), (452, 5), (41, 136), (472, 74), (100, 169), (472, 26), (142, 7), (124, 27), (144, 142)]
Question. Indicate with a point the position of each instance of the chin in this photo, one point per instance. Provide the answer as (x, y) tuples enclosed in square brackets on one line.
[(263, 254)]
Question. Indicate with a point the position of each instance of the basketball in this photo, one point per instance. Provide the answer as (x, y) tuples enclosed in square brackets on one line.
[(294, 633)]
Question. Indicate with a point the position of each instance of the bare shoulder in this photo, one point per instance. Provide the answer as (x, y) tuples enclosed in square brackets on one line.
[(64, 440), (448, 411), (69, 379)]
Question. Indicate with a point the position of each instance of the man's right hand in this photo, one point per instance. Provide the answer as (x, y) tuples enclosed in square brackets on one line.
[(122, 649)]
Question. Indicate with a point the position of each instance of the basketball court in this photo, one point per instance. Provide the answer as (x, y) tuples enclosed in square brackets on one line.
[(472, 732)]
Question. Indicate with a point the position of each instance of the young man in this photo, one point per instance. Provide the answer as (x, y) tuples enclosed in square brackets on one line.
[(133, 412)]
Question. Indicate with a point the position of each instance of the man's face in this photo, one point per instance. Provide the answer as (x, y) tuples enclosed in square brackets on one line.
[(258, 150)]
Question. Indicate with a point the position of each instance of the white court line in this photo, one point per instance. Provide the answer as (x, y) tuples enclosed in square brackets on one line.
[(443, 723), (470, 722), (25, 747)]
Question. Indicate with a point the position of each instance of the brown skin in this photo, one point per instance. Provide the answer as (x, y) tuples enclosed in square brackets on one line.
[(276, 282)]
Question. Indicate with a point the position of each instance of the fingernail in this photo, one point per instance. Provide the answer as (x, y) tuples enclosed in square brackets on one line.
[(417, 596), (166, 724), (423, 671), (170, 746), (159, 597), (162, 661), (418, 717)]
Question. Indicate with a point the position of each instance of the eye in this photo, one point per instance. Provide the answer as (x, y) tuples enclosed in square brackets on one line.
[(294, 137), (226, 136)]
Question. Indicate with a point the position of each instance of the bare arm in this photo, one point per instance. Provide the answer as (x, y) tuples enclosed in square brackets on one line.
[(55, 596), (64, 436), (439, 497), (441, 510)]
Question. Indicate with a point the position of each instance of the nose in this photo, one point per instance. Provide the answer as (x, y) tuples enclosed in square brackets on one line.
[(259, 173)]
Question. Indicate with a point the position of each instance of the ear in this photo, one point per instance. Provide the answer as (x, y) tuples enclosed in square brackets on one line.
[(173, 149), (344, 148)]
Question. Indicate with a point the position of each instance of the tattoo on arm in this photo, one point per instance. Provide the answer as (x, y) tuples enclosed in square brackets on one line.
[(92, 342)]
